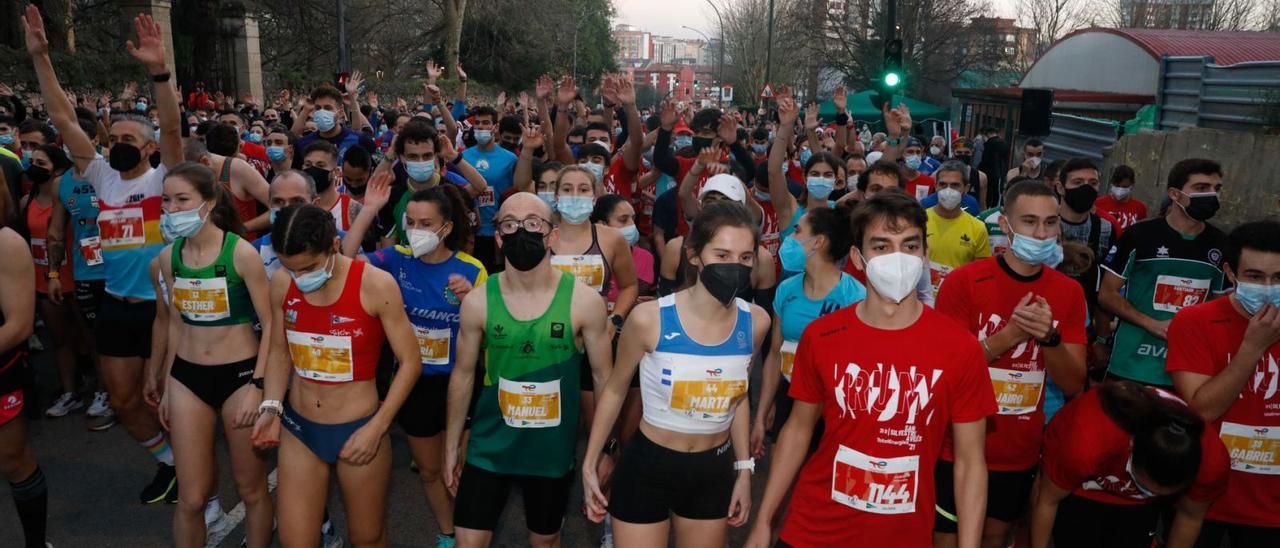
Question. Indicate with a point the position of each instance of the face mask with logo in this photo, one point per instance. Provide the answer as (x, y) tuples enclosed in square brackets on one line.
[(276, 154), (420, 171), (314, 280), (595, 169), (549, 198), (913, 162), (1033, 251), (1203, 205), (949, 198), (320, 176), (182, 224), (1120, 192), (631, 234), (1254, 296), (124, 157), (821, 187), (895, 275), (484, 136), (523, 249), (575, 209), (793, 254), (725, 281), (325, 120), (1080, 199), (682, 141), (422, 242)]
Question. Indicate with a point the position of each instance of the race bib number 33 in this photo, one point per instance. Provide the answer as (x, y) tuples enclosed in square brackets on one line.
[(529, 404), (875, 485)]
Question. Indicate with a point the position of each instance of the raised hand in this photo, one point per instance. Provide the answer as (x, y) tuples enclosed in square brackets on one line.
[(462, 76), (668, 116), (371, 97), (434, 71), (353, 84), (626, 90), (609, 89), (524, 99), (788, 112), (502, 100), (432, 93), (544, 87), (785, 91), (728, 130), (150, 47), (567, 92), (378, 191), (444, 148), (33, 27), (130, 90), (841, 99), (709, 156), (811, 117), (532, 138)]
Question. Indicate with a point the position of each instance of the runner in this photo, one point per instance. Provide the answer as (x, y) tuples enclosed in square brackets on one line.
[(820, 172), (434, 277), (616, 212), (1030, 321), (333, 419), (128, 190), (956, 238), (426, 159), (1165, 264), (821, 241), (533, 323), (320, 161), (245, 182), (218, 284), (871, 481), (1119, 201), (1115, 459), (17, 313), (680, 463), (1223, 357), (497, 165)]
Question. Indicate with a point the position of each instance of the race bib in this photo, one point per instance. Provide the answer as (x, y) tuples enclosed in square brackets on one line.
[(878, 486), (922, 192), (91, 250), (485, 199), (1017, 392), (708, 394), (269, 260), (529, 404), (999, 244), (201, 299), (39, 253), (771, 242), (788, 358), (433, 344), (122, 228), (325, 358), (1253, 449), (937, 272), (587, 269), (1173, 293)]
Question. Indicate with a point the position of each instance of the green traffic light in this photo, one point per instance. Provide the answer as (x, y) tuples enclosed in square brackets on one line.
[(892, 79)]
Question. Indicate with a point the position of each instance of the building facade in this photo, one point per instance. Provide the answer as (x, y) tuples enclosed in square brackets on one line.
[(1167, 14)]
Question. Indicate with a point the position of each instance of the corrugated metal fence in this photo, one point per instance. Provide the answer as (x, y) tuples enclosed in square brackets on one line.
[(1194, 92), (1073, 136)]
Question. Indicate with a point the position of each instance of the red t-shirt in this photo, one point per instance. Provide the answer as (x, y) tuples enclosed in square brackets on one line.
[(256, 155), (981, 296), (619, 180), (1126, 213), (887, 402), (1086, 452), (1202, 339), (920, 187)]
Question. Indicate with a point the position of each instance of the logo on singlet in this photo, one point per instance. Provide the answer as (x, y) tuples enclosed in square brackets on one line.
[(557, 330), (671, 336), (527, 347)]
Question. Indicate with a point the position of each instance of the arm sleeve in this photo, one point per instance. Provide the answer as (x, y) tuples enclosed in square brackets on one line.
[(745, 163), (459, 110), (663, 160)]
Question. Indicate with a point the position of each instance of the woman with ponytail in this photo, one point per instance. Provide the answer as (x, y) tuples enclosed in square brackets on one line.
[(215, 362), (1114, 459)]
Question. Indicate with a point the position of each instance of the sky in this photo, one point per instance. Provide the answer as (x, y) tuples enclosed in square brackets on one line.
[(660, 16)]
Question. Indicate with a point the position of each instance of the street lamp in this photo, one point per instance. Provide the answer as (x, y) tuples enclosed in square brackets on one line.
[(720, 71), (719, 79)]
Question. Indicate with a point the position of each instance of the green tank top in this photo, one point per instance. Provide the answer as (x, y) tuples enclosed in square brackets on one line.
[(215, 294), (526, 420)]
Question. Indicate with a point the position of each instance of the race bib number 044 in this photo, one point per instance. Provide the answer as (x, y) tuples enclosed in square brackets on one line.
[(875, 485)]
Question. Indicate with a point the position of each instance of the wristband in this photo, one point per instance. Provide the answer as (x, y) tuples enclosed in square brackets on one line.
[(161, 78), (749, 464), (257, 382), (275, 407), (987, 350), (842, 119), (894, 141)]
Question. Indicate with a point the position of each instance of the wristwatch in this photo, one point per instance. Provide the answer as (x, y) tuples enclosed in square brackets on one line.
[(611, 448), (617, 320), (749, 464), (275, 407), (1054, 339)]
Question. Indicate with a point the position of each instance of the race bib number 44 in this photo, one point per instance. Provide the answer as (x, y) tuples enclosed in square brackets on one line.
[(1173, 293), (875, 485), (324, 358), (202, 299), (708, 394), (1017, 392), (529, 404), (1253, 449)]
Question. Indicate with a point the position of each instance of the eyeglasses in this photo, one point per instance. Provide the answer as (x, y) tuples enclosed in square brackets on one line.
[(532, 224)]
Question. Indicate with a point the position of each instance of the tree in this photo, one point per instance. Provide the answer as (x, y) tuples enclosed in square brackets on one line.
[(454, 13), (746, 34), (1051, 19)]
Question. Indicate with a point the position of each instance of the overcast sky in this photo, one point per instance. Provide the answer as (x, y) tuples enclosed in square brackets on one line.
[(665, 17)]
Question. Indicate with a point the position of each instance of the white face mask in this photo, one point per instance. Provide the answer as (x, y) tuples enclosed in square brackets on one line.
[(949, 198), (422, 242), (1035, 162), (1120, 192), (895, 276), (935, 151)]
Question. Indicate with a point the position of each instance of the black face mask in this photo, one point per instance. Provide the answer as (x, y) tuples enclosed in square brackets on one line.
[(1080, 199), (124, 157), (38, 175), (356, 190), (509, 146), (700, 143), (523, 249), (321, 177), (964, 158), (725, 281), (1202, 208)]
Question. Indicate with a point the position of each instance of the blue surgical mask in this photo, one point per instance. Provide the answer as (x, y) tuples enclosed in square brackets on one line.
[(575, 209), (314, 280), (1254, 296), (26, 159), (6, 139), (255, 137), (631, 234), (759, 148), (821, 187), (141, 106), (420, 171), (548, 197), (275, 154), (1032, 250), (181, 224), (684, 141), (595, 169), (271, 215), (325, 120), (793, 254), (805, 154), (484, 136), (1057, 257), (913, 161)]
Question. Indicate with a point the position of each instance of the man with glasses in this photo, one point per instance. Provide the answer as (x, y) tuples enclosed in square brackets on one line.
[(534, 324)]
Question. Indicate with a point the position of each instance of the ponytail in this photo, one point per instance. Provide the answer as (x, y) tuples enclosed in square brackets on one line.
[(1166, 433)]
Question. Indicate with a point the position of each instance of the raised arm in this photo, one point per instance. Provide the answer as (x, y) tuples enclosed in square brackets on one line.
[(524, 166), (635, 128), (352, 97), (476, 185), (61, 111), (559, 139), (841, 101), (663, 159), (783, 202), (150, 52)]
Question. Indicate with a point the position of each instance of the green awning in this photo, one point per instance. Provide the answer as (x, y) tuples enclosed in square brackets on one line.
[(862, 110)]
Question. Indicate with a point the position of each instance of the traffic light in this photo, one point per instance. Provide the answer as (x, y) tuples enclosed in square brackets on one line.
[(890, 79)]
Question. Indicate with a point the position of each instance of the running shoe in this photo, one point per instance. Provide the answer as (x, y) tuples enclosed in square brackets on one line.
[(100, 406), (606, 541), (33, 343), (331, 540), (65, 403), (103, 423), (162, 485), (443, 541), (213, 515)]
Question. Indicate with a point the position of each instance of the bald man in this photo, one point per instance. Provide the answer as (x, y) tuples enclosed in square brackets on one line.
[(534, 324)]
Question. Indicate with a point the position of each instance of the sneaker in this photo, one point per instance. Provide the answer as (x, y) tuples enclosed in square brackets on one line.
[(99, 407), (33, 343), (103, 423), (65, 403), (213, 515), (443, 541), (606, 541), (162, 486), (331, 540)]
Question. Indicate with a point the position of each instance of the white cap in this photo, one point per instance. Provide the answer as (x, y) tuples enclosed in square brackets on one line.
[(726, 184), (874, 156)]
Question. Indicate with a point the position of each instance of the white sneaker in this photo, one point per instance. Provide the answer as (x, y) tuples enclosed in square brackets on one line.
[(99, 407), (65, 403), (213, 514), (606, 541), (329, 537)]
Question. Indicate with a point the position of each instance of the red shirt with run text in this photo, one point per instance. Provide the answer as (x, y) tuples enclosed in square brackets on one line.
[(981, 296), (1086, 452), (1126, 213), (887, 402), (1202, 339)]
